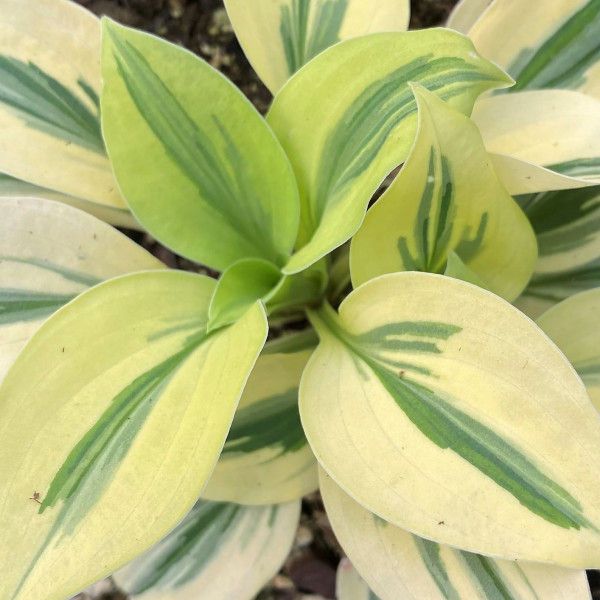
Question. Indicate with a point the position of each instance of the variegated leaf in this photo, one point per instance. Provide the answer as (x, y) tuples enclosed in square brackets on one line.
[(280, 36), (49, 108), (557, 129), (10, 187), (567, 227), (446, 198), (430, 400), (219, 551), (50, 253), (349, 117), (349, 585), (574, 326), (523, 177), (466, 13), (112, 419), (402, 566), (195, 161), (266, 458), (552, 44)]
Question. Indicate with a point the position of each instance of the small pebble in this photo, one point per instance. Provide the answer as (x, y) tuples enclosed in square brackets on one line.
[(304, 537), (281, 582)]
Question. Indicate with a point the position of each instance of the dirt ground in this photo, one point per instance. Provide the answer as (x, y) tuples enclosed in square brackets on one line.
[(203, 27)]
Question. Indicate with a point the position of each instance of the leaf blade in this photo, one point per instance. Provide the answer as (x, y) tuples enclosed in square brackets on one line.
[(217, 162), (365, 125), (415, 353), (446, 198), (280, 37), (48, 105), (266, 458), (50, 253), (197, 557), (102, 440), (398, 564)]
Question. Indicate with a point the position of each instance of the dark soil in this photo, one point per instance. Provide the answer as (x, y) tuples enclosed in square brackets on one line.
[(202, 26)]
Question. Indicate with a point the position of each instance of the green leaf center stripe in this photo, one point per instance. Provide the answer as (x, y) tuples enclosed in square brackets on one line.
[(558, 286), (563, 59), (448, 427), (65, 273), (220, 174), (487, 577), (589, 370), (564, 220), (90, 465), (178, 559), (271, 422), (409, 337), (481, 570), (434, 224), (300, 44), (24, 305), (365, 126), (430, 553), (121, 420), (48, 106), (578, 167)]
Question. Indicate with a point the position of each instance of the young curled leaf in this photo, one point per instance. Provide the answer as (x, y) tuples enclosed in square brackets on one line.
[(349, 117), (447, 198)]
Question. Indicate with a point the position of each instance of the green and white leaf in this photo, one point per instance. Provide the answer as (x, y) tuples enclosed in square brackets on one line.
[(49, 108), (567, 226), (349, 117), (447, 198), (574, 326), (553, 43), (466, 13), (10, 187), (219, 550), (430, 399), (50, 253), (556, 129), (400, 566), (280, 36), (349, 585), (115, 413), (523, 177), (212, 183), (266, 458)]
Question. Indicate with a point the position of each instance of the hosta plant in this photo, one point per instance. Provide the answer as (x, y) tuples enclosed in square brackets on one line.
[(453, 438)]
